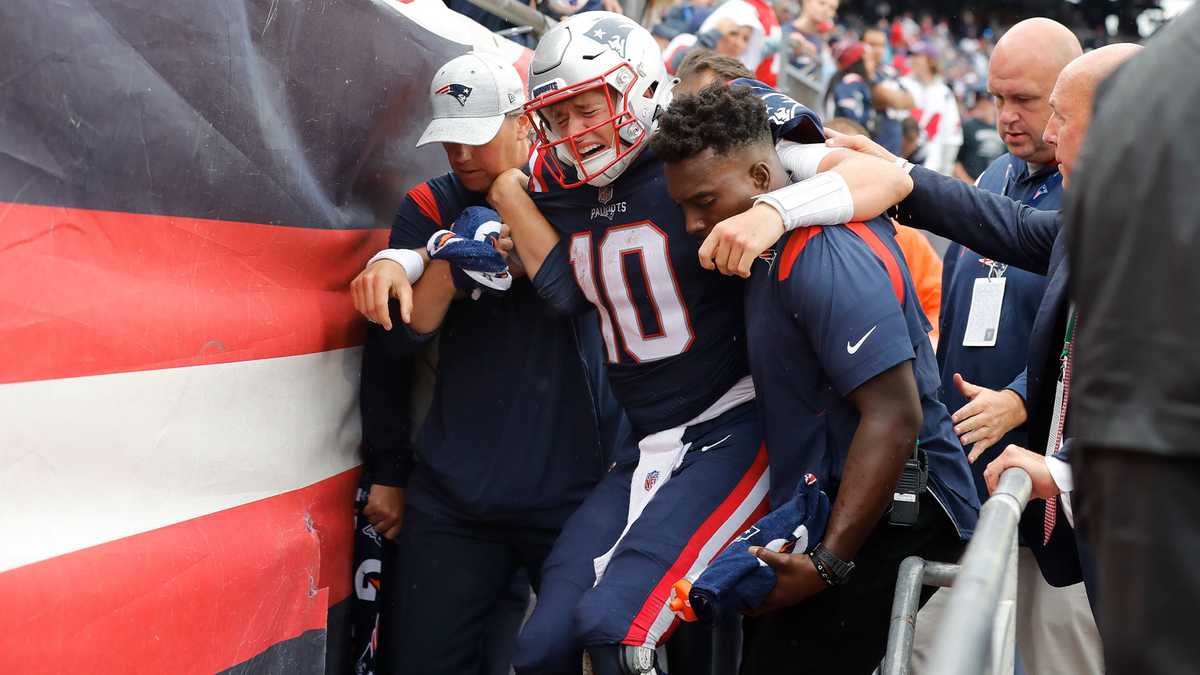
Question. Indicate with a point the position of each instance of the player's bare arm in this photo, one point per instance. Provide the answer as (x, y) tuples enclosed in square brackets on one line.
[(532, 234), (376, 285), (887, 432), (432, 297), (849, 186)]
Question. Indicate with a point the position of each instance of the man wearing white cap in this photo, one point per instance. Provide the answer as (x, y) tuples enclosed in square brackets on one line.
[(521, 422)]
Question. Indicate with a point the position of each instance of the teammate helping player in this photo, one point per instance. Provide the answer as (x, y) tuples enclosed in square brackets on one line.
[(593, 220)]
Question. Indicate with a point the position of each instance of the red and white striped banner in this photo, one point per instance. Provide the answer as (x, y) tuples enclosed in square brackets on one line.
[(186, 191)]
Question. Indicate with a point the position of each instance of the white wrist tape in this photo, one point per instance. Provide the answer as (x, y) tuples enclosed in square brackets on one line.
[(802, 159), (823, 199), (411, 261)]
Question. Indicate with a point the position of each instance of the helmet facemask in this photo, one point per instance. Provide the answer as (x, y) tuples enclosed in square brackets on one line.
[(627, 132)]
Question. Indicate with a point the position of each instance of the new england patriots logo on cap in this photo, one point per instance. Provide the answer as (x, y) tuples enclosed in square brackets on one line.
[(459, 91), (612, 33)]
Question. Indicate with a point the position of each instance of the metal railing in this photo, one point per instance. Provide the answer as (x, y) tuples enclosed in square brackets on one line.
[(915, 573), (979, 624), (519, 13)]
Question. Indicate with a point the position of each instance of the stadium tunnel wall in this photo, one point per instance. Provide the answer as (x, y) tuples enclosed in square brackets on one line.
[(186, 190)]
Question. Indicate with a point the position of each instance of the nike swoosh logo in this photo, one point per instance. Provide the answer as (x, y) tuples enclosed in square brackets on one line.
[(852, 349), (706, 448)]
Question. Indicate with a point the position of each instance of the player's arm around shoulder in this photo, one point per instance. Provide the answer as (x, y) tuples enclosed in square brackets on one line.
[(831, 187)]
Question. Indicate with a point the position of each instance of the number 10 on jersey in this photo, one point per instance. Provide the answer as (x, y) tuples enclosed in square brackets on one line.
[(646, 245)]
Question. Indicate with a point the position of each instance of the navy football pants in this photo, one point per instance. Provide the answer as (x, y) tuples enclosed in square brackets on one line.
[(719, 490)]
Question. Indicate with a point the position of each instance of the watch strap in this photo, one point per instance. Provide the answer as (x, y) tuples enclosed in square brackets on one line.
[(833, 570)]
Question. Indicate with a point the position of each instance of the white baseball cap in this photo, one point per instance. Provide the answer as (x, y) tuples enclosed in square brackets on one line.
[(471, 95)]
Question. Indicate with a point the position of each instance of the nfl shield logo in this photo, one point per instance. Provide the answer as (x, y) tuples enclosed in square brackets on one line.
[(809, 479), (605, 195), (651, 479)]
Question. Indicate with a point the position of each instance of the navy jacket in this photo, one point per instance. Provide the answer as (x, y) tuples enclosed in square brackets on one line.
[(522, 422), (1016, 234), (1003, 365)]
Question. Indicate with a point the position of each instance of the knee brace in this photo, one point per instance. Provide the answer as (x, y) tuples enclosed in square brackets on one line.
[(621, 660)]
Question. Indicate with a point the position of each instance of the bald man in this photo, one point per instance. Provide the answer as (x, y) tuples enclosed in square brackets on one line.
[(988, 312)]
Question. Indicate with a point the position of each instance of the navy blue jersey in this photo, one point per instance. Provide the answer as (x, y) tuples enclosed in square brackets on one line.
[(513, 432), (673, 332), (835, 308)]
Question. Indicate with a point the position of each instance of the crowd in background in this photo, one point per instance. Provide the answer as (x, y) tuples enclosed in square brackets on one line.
[(913, 82)]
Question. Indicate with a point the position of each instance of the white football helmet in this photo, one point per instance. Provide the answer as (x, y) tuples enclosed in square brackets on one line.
[(612, 53)]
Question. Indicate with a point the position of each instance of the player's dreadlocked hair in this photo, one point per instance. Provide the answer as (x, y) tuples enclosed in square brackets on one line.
[(718, 118)]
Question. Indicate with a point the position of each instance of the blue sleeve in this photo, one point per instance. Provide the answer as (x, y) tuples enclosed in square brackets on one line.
[(843, 300), (384, 394), (1019, 384), (991, 224), (555, 283), (410, 227), (424, 210)]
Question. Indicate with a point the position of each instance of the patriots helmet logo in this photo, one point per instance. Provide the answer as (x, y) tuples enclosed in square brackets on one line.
[(612, 33), (459, 91)]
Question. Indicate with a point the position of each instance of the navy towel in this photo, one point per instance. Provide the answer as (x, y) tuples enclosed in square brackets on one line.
[(737, 581)]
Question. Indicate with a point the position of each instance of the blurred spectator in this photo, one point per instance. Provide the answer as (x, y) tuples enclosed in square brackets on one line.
[(768, 68), (981, 141), (732, 30), (740, 34), (892, 101), (677, 19), (911, 146), (849, 93), (808, 37), (935, 109)]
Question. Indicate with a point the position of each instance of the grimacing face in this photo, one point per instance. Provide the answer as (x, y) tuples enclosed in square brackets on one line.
[(579, 112)]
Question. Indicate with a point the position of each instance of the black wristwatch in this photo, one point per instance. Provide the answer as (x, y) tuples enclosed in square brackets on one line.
[(832, 569)]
